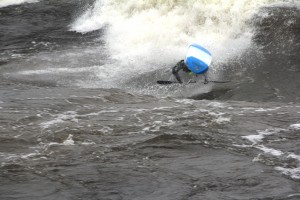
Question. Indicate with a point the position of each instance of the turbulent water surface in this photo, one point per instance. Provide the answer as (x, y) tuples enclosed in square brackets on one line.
[(81, 115)]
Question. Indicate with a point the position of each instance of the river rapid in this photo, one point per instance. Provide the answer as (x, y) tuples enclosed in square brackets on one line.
[(81, 115)]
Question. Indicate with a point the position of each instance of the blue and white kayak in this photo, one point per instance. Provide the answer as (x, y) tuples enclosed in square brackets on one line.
[(198, 59)]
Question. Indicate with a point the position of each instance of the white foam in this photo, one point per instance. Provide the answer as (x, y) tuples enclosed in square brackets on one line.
[(163, 108), (185, 101), (92, 19), (60, 118), (249, 108), (258, 138), (295, 126), (270, 151), (294, 173), (4, 3), (25, 156), (7, 156), (101, 112), (222, 120), (294, 156), (106, 129), (146, 35), (254, 138), (216, 114), (58, 70), (267, 109), (69, 140), (88, 143), (217, 104), (293, 195)]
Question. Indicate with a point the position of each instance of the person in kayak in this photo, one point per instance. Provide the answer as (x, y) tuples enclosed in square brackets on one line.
[(182, 66)]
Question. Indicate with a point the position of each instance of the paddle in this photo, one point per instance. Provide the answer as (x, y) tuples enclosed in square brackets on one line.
[(165, 82), (219, 81), (171, 82)]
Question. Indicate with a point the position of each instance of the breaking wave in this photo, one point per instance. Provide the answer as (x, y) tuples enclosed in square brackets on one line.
[(153, 28)]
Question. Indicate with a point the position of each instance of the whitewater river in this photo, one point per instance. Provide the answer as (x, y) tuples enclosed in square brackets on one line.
[(81, 115)]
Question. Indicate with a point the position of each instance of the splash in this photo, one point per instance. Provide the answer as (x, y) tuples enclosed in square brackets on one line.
[(146, 36), (152, 27)]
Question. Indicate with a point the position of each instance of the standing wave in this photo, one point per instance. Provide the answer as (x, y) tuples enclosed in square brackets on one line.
[(146, 36), (144, 27)]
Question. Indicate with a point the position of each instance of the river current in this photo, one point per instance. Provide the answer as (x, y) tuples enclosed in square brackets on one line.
[(81, 115)]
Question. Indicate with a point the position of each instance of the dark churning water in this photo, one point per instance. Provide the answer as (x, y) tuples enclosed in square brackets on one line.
[(81, 116)]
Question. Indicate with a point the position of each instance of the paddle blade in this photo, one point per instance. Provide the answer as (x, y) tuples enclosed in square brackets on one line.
[(219, 81), (165, 82)]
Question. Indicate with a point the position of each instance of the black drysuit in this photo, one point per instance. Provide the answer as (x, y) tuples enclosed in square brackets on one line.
[(180, 66)]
